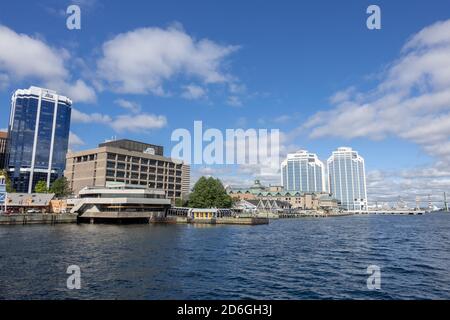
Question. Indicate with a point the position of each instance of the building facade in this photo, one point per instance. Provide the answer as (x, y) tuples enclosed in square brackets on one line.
[(296, 199), (3, 142), (38, 137), (117, 162), (304, 172), (186, 180), (347, 179), (120, 202)]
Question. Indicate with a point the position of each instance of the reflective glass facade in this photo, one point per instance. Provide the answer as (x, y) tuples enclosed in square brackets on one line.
[(347, 179), (304, 172), (38, 137)]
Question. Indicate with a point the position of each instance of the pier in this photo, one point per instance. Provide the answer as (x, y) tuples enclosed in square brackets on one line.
[(396, 212), (303, 214), (24, 219)]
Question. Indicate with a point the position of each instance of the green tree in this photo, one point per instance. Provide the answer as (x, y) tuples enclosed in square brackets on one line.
[(41, 187), (9, 187), (181, 203), (60, 187), (209, 193)]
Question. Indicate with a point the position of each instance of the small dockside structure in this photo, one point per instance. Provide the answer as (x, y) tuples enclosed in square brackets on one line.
[(214, 216)]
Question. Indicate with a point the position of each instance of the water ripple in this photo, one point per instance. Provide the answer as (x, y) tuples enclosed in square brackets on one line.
[(288, 259)]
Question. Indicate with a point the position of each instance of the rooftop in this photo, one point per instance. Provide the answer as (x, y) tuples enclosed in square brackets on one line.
[(46, 94), (135, 146), (27, 199)]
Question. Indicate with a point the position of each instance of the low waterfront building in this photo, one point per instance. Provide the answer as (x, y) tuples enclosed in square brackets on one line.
[(296, 199), (210, 214), (262, 205), (58, 206), (29, 202), (129, 162), (118, 201), (198, 213), (246, 206)]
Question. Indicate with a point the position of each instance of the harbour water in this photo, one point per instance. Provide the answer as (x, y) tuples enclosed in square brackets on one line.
[(309, 258)]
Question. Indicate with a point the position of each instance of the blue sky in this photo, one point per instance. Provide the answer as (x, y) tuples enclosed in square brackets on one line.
[(266, 60)]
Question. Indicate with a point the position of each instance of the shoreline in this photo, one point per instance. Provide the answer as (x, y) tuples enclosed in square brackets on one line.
[(37, 218)]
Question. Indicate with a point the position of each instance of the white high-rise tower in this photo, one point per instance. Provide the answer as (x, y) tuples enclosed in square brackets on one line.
[(347, 179), (303, 171)]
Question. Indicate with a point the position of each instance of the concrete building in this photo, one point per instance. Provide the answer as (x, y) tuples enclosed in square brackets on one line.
[(125, 162), (347, 179), (120, 202), (38, 137), (185, 180), (303, 171), (3, 141)]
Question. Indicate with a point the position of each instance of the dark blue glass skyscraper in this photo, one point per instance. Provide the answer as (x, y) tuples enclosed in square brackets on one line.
[(38, 137)]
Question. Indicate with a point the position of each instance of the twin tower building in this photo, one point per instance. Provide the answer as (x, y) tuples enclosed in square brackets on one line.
[(343, 176)]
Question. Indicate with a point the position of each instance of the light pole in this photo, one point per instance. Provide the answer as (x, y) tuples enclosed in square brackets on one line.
[(445, 202)]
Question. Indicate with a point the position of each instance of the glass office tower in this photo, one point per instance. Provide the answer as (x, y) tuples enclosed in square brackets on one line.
[(303, 171), (38, 137), (347, 179)]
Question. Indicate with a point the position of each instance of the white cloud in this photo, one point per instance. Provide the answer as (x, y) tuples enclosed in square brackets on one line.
[(343, 95), (411, 101), (128, 105), (142, 60), (193, 92), (75, 141), (4, 81), (282, 119), (132, 123), (408, 185), (25, 57), (138, 123), (234, 101), (81, 117), (78, 91)]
